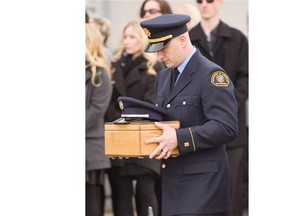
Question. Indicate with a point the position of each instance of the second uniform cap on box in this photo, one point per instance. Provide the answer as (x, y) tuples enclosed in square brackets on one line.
[(133, 109)]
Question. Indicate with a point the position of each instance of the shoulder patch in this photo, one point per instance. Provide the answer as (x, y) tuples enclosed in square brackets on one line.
[(220, 79)]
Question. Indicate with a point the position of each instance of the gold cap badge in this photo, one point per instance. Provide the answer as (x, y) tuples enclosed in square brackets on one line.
[(220, 79), (147, 32)]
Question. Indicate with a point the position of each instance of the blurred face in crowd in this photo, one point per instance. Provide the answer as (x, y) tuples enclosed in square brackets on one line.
[(151, 9), (209, 8), (131, 41)]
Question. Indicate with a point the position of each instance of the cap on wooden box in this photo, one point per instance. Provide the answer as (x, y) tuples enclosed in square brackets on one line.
[(125, 137)]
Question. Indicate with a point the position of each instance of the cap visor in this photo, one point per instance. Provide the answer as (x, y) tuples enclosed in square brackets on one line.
[(156, 47)]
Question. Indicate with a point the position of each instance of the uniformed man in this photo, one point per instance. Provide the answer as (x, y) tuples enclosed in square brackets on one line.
[(202, 99)]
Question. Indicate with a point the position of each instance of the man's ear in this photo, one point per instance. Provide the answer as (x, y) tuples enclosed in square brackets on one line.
[(183, 40)]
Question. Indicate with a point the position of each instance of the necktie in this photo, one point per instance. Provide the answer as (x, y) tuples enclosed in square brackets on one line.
[(174, 76)]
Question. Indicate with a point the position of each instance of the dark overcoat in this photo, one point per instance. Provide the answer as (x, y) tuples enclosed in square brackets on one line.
[(231, 53), (197, 181)]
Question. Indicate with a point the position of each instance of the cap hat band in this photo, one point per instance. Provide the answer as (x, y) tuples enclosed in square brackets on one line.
[(156, 40)]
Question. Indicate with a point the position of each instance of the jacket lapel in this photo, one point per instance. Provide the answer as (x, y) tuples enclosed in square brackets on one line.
[(166, 83), (185, 78), (196, 35)]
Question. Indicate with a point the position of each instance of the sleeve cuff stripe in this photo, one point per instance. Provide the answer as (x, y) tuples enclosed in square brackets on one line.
[(192, 138)]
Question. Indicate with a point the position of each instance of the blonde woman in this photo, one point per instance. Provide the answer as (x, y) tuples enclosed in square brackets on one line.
[(134, 74), (98, 94)]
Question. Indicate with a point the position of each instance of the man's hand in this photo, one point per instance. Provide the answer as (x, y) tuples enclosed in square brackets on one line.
[(167, 142)]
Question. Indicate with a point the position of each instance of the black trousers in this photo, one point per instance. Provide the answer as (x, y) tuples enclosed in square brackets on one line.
[(216, 214), (94, 200), (122, 189), (246, 179), (236, 166)]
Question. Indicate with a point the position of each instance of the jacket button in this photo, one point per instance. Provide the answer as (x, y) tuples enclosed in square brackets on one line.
[(163, 165), (168, 106), (184, 103)]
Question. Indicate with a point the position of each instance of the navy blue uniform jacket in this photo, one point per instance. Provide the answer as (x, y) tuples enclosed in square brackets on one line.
[(197, 181)]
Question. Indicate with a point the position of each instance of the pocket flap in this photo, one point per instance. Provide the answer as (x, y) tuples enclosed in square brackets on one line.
[(203, 167), (184, 100)]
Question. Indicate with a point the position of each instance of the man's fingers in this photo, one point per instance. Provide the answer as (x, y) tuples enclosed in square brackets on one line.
[(167, 155), (151, 140), (159, 125), (161, 154), (154, 153)]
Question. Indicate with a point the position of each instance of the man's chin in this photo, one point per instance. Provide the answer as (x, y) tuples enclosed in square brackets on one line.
[(167, 64)]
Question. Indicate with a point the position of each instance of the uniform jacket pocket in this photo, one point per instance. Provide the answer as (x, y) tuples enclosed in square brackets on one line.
[(203, 167), (185, 101)]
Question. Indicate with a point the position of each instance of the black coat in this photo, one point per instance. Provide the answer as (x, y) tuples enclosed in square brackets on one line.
[(197, 181), (133, 81), (231, 53)]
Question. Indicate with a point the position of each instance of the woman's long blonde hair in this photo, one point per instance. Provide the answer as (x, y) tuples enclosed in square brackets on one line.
[(139, 33), (94, 54)]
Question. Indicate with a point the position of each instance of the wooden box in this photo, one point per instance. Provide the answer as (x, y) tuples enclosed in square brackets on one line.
[(127, 140)]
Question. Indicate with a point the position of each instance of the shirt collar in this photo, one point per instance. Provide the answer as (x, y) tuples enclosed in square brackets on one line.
[(186, 60)]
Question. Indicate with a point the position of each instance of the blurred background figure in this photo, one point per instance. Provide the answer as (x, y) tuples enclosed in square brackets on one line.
[(190, 10), (86, 17), (153, 8), (134, 74), (104, 25), (227, 47), (98, 94), (121, 12)]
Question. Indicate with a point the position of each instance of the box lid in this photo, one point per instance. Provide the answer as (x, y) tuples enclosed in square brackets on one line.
[(139, 125)]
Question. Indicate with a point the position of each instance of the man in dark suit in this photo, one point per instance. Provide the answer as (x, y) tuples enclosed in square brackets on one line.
[(228, 47), (202, 98)]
